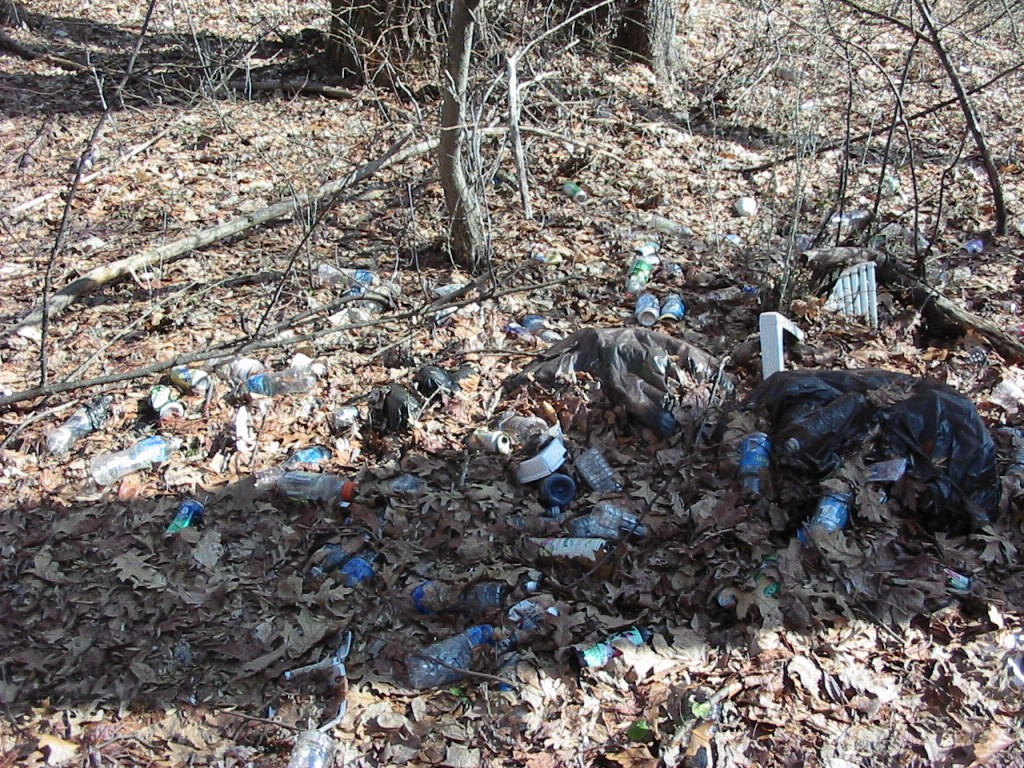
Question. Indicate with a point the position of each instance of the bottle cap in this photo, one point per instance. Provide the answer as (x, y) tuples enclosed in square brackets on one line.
[(558, 489), (348, 491)]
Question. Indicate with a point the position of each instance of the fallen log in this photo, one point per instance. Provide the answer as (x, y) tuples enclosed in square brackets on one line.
[(108, 273)]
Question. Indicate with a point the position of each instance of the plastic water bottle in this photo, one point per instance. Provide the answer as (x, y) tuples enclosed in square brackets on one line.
[(731, 293), (596, 471), (287, 382), (111, 467), (755, 458), (482, 598), (315, 486), (456, 652), (86, 419), (832, 515), (313, 749), (357, 569), (607, 521)]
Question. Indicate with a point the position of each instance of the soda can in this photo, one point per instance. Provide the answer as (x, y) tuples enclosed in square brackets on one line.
[(672, 308), (574, 191), (647, 309), (575, 548), (190, 379), (491, 441)]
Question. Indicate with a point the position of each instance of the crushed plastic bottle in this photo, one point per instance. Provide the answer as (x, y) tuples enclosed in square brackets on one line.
[(240, 370), (86, 419), (190, 513), (357, 570), (754, 460), (111, 467), (287, 382), (667, 226), (425, 671), (315, 454), (973, 247), (607, 521), (731, 293), (344, 419), (523, 428), (405, 485), (596, 471), (315, 486), (355, 280), (482, 598)]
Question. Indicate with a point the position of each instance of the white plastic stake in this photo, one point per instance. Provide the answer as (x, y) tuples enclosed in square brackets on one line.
[(772, 350)]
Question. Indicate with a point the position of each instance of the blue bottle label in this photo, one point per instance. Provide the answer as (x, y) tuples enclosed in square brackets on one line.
[(480, 634)]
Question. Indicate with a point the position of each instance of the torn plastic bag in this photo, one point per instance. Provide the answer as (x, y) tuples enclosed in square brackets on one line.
[(818, 416), (639, 369)]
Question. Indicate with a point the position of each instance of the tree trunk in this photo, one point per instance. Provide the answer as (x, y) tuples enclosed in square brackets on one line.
[(647, 30), (468, 240)]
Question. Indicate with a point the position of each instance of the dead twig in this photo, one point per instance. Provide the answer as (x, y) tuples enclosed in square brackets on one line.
[(114, 271)]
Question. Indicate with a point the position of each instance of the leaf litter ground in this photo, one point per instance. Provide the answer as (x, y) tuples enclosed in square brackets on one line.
[(126, 646)]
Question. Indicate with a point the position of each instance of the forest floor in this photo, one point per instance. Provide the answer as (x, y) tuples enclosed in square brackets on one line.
[(124, 645)]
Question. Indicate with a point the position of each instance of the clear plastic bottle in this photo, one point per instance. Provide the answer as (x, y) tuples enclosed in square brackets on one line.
[(405, 485), (456, 652), (730, 293), (596, 471), (240, 370), (315, 486), (357, 569), (358, 279), (482, 598), (86, 419), (607, 521), (640, 272), (313, 749), (335, 557), (111, 467), (522, 428), (287, 382), (754, 460), (430, 597)]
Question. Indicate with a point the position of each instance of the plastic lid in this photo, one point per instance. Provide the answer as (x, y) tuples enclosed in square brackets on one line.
[(543, 464), (348, 491)]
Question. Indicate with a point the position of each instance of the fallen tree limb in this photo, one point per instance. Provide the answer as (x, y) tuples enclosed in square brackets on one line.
[(171, 251), (929, 299)]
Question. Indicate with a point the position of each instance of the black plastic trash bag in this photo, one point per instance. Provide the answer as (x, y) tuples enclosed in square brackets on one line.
[(639, 369), (819, 416)]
